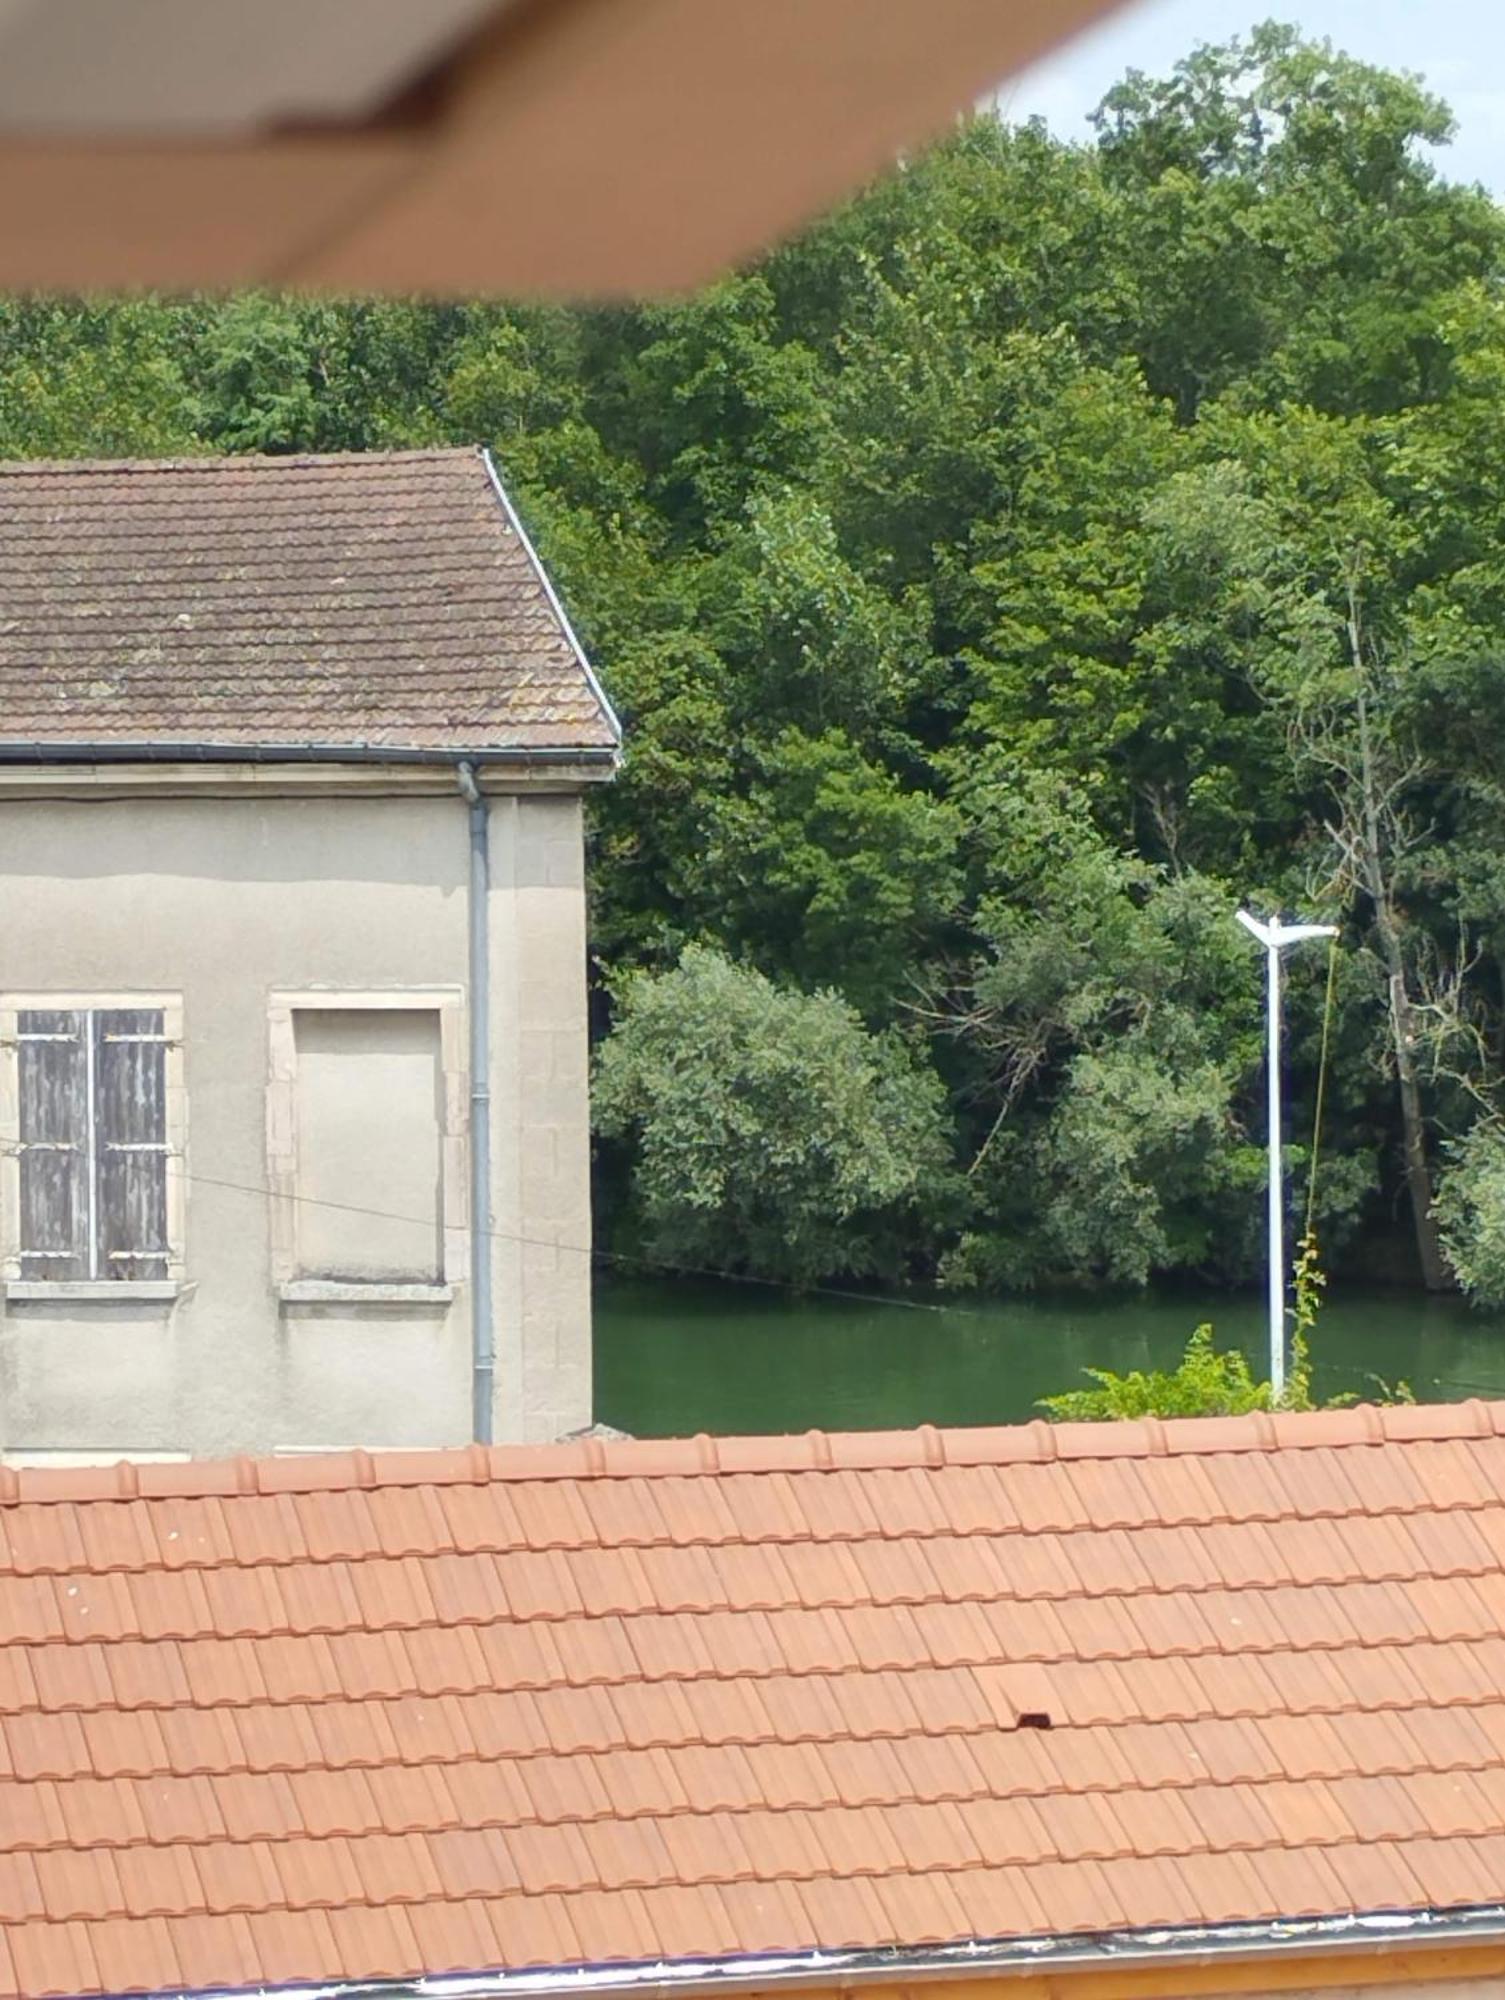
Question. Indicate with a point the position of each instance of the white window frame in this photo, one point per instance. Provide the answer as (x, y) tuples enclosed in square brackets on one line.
[(448, 1002), (83, 1291)]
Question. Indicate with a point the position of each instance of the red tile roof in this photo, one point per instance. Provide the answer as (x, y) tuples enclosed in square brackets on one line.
[(359, 1717), (381, 600)]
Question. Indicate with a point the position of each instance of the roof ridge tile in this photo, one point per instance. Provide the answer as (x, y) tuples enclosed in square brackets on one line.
[(927, 1448), (268, 463)]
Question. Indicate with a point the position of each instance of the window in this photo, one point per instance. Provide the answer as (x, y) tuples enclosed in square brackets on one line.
[(367, 1116), (365, 1146), (90, 1107)]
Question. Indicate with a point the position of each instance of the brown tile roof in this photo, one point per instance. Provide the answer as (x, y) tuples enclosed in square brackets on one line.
[(301, 1719), (382, 600)]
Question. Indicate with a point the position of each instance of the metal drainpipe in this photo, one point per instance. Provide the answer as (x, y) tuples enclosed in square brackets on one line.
[(482, 1332)]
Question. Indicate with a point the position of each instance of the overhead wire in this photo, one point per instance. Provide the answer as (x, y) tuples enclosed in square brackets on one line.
[(663, 1266)]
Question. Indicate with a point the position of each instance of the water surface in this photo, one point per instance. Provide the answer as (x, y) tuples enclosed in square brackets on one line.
[(676, 1356)]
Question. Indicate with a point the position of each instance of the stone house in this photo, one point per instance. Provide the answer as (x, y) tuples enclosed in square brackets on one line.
[(1077, 1712), (292, 960)]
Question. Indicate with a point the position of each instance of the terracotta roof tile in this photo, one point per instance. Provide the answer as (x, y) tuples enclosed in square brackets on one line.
[(1299, 1880), (716, 1778), (21, 1895), (58, 1958), (164, 1881), (443, 1712), (453, 1936), (642, 1781), (1370, 1872), (252, 1806), (383, 600), (612, 1928), (1078, 1895), (285, 1939), (922, 1909), (245, 1876)]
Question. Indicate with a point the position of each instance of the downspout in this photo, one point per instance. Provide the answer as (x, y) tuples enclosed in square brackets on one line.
[(482, 1332)]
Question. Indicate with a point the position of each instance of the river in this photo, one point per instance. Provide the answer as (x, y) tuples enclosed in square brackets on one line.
[(676, 1356)]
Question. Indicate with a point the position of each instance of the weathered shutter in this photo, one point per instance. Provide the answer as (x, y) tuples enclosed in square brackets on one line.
[(130, 1143), (53, 1077)]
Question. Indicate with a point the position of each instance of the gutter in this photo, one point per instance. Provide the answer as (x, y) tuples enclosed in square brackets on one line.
[(482, 1331), (1275, 1941), (300, 753)]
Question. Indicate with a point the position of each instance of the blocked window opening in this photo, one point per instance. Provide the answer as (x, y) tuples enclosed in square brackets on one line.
[(92, 1144), (368, 1114)]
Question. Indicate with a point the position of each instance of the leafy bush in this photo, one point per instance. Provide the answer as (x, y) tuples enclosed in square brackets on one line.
[(772, 1133), (1209, 1384), (1205, 1384), (1470, 1210)]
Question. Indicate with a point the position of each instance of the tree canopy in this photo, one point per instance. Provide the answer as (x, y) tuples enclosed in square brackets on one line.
[(1054, 548)]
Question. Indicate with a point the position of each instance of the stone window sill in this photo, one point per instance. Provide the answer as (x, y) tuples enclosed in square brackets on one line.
[(333, 1291), (93, 1291)]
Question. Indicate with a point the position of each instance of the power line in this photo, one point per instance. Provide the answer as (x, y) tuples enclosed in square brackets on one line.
[(665, 1267), (658, 1264)]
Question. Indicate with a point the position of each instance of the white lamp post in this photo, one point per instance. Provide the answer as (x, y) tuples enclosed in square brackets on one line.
[(1275, 936)]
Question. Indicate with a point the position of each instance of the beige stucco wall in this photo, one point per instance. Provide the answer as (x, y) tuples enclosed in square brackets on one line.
[(228, 900)]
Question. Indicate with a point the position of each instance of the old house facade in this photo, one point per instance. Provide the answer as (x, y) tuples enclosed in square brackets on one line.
[(292, 960)]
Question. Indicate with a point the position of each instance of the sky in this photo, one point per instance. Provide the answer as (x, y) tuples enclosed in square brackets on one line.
[(1458, 46)]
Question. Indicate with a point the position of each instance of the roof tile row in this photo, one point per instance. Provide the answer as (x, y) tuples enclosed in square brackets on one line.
[(380, 600), (307, 1720)]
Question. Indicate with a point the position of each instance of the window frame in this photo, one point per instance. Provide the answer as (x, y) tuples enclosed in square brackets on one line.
[(96, 1290), (293, 1289)]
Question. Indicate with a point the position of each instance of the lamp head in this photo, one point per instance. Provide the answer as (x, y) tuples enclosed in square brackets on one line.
[(1298, 933), (1275, 935)]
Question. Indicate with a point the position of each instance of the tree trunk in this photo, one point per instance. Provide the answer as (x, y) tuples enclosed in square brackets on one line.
[(1434, 1270)]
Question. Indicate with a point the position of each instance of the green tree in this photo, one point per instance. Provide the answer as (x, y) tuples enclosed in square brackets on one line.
[(827, 866), (85, 380), (772, 1134), (1107, 1022), (1311, 570), (1471, 1212), (1283, 229)]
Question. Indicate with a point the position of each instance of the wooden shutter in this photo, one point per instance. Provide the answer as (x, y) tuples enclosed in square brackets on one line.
[(130, 1144), (53, 1078)]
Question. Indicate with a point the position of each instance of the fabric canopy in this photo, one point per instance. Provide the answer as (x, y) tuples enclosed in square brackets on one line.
[(564, 148)]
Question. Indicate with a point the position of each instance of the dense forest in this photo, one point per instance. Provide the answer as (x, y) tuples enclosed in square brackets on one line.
[(1057, 547)]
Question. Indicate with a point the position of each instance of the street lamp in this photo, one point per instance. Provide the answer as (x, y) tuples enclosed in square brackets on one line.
[(1275, 936)]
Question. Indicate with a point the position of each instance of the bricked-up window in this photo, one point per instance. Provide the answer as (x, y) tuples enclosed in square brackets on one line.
[(368, 1122), (93, 1146), (367, 1094)]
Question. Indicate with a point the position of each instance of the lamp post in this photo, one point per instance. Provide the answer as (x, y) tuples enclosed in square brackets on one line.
[(1275, 936)]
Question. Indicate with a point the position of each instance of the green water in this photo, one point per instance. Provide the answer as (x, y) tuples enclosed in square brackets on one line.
[(677, 1356)]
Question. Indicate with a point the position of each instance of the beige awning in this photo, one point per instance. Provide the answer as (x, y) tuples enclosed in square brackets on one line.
[(574, 148)]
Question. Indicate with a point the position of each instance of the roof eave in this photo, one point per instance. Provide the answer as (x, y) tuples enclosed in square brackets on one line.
[(166, 751), (1156, 1948)]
